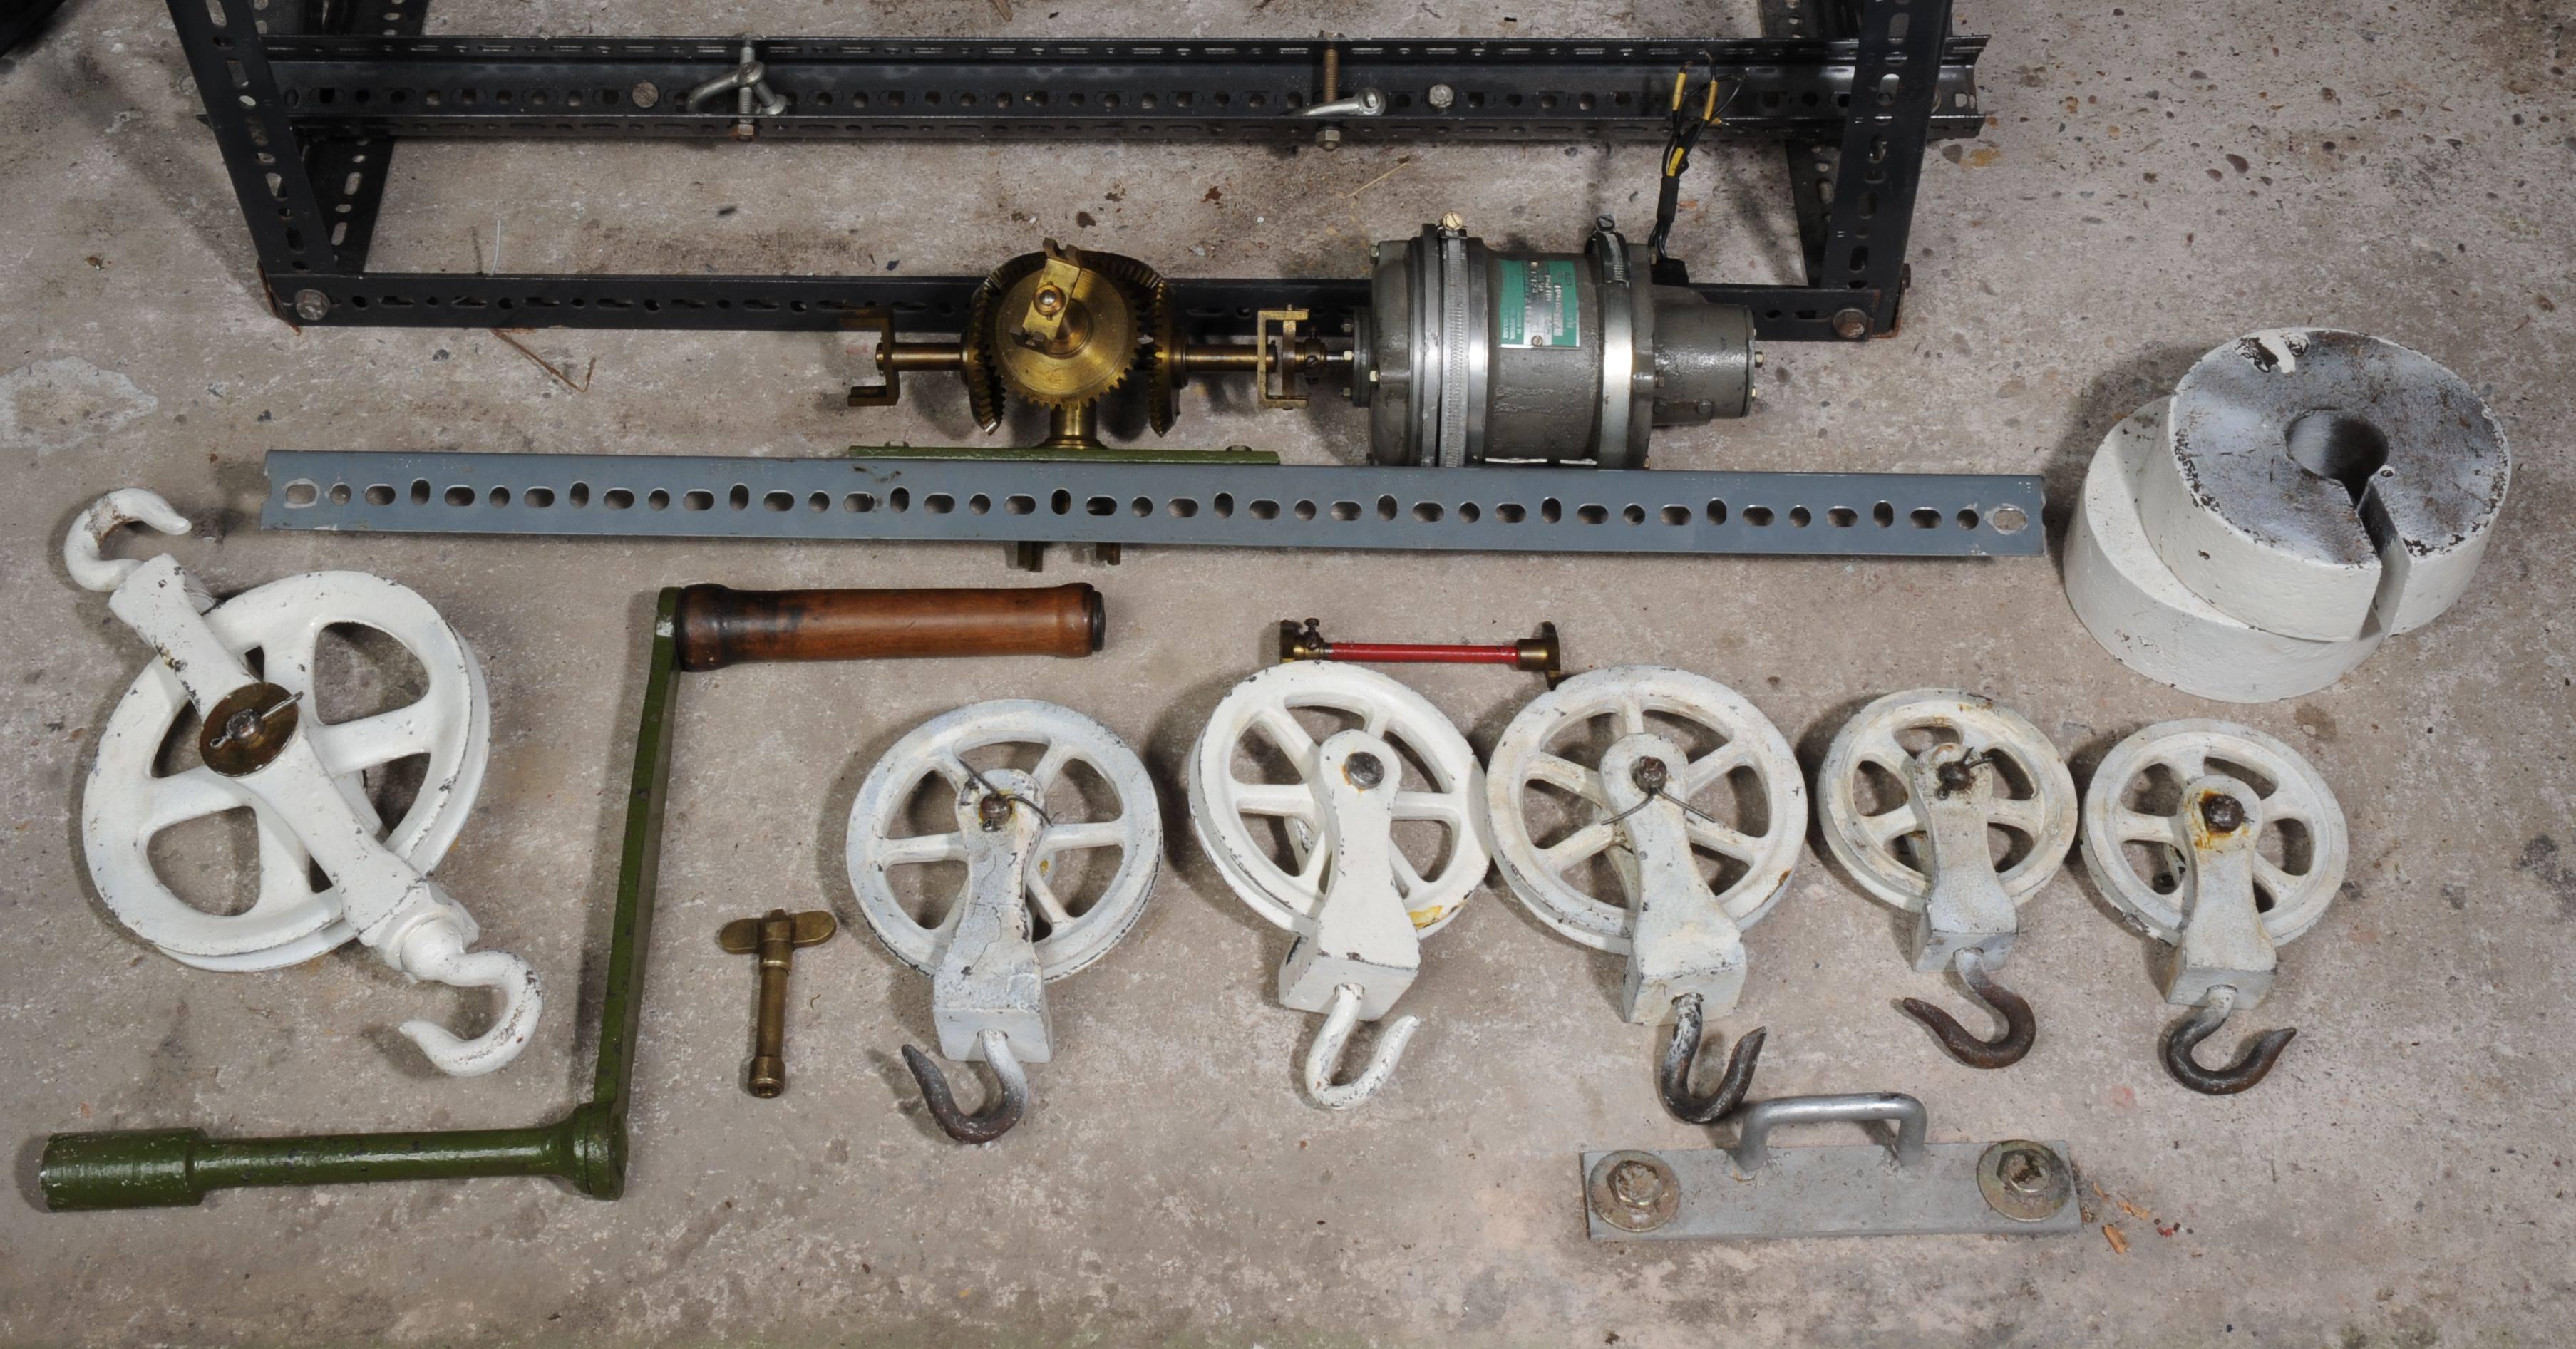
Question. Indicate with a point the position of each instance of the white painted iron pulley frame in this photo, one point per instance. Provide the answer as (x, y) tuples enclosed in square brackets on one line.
[(1358, 904), (2305, 494), (1635, 806), (987, 963), (1965, 767), (309, 800), (2204, 798)]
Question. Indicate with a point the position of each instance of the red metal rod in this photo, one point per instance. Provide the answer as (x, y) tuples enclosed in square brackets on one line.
[(1538, 654), (1409, 653)]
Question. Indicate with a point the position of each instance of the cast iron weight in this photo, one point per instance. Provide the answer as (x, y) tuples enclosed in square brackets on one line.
[(1540, 653), (775, 937)]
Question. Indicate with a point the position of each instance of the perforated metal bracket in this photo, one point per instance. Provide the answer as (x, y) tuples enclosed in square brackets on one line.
[(1905, 1187), (1497, 508)]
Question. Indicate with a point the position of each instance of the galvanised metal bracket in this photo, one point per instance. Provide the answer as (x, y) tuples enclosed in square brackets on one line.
[(166, 1168), (1497, 508), (1903, 1187), (308, 98)]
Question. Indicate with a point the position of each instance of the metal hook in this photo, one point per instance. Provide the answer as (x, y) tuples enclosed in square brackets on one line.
[(2250, 1067), (2005, 1050), (1681, 1054), (1324, 1058), (1000, 1112), (124, 506), (435, 950)]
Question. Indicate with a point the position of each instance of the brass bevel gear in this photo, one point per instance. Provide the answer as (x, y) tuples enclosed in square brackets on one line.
[(1058, 328)]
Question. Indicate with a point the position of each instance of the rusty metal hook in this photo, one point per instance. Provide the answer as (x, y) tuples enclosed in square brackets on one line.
[(1000, 1112), (2005, 1050), (2250, 1067), (1681, 1054)]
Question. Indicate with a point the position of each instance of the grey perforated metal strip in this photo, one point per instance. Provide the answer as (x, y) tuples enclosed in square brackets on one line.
[(1498, 508)]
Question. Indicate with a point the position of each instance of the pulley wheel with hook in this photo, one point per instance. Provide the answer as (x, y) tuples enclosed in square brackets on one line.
[(1310, 841), (1911, 794), (1016, 829), (331, 867), (2223, 843), (1654, 814)]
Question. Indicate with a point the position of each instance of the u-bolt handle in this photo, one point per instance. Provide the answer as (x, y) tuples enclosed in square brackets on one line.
[(436, 951), (2005, 1050), (1000, 1112), (1324, 1057), (1681, 1054), (2250, 1067)]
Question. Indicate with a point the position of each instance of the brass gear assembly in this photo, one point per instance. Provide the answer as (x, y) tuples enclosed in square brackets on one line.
[(1059, 329)]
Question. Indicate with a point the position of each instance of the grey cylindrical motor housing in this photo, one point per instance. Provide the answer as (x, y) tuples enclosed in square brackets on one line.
[(1468, 354)]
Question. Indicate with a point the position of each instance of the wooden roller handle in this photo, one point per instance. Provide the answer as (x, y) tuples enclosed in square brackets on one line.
[(716, 626)]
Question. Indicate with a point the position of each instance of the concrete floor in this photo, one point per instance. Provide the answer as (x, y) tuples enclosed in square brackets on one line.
[(2154, 180)]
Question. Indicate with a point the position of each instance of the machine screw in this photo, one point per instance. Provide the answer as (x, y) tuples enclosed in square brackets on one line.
[(1851, 325), (2024, 1181), (1440, 96), (644, 94), (311, 305), (2222, 813), (1330, 137), (1650, 775), (1452, 223), (1364, 770)]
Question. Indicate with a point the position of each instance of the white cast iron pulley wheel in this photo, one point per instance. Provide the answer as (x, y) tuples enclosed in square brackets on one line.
[(2021, 783), (1059, 738), (2137, 798), (126, 803), (1541, 754), (1263, 708)]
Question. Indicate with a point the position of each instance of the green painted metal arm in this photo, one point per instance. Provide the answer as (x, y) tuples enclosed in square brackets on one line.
[(165, 1168)]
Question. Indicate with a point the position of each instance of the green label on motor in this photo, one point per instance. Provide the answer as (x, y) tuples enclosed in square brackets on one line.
[(1538, 307)]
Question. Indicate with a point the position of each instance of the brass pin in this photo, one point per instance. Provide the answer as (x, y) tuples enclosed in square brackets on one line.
[(775, 937)]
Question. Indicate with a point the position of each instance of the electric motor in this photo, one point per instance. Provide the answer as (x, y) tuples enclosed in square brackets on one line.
[(1468, 354)]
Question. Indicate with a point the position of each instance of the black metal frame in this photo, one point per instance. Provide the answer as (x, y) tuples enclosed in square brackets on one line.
[(308, 98)]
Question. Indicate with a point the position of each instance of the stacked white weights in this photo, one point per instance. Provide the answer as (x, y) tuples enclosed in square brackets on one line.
[(2304, 494)]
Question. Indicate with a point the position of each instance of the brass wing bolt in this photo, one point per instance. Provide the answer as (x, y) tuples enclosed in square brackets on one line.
[(774, 937)]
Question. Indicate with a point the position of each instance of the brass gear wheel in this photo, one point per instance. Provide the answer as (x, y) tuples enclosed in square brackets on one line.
[(1109, 303)]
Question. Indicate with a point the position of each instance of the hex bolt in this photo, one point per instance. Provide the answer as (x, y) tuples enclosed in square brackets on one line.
[(1636, 1184), (311, 305), (1364, 770), (1851, 325), (2222, 812), (2024, 1181)]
